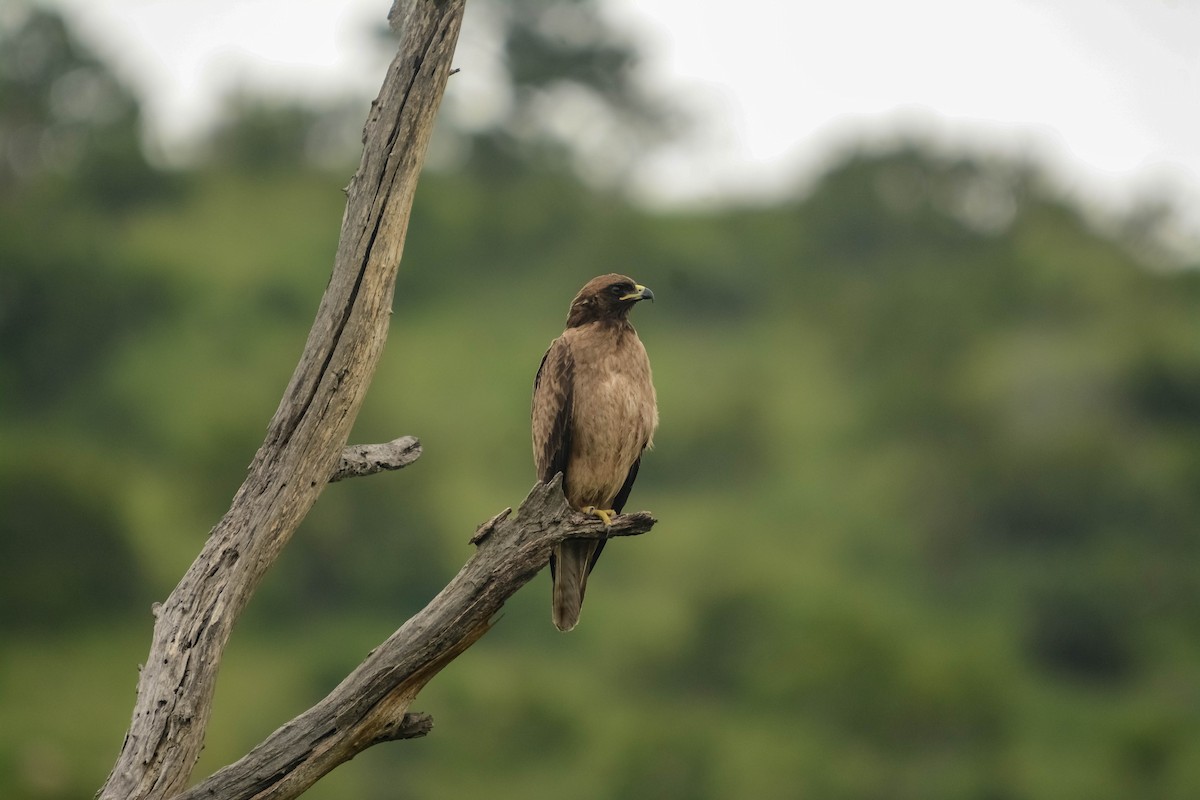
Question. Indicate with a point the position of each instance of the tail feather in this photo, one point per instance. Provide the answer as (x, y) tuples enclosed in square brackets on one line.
[(572, 562)]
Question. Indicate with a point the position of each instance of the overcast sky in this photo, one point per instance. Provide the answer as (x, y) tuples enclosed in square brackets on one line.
[(1106, 91)]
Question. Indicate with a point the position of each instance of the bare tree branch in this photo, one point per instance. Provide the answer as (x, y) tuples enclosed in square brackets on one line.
[(371, 705), (308, 431), (368, 459)]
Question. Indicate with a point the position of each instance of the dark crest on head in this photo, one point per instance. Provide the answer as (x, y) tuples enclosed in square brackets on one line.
[(607, 298)]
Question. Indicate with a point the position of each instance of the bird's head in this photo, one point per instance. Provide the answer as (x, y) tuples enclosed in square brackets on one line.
[(606, 298)]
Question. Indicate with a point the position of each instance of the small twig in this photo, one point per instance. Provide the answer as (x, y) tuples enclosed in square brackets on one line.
[(413, 725), (485, 530), (367, 459)]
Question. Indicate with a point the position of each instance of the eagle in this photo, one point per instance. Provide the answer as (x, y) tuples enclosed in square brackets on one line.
[(594, 412)]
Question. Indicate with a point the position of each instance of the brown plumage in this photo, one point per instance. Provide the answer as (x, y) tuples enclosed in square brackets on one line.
[(594, 412)]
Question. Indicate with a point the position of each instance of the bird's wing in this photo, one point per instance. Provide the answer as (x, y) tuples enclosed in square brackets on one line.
[(553, 395)]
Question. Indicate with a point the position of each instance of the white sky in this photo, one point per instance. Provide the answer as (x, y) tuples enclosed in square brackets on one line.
[(1105, 91)]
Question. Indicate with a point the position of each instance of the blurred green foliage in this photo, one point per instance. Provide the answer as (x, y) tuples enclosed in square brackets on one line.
[(926, 474)]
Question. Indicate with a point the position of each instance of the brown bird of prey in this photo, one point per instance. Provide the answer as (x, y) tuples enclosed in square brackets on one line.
[(594, 412)]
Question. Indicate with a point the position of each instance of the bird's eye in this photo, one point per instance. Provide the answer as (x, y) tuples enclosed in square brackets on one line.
[(618, 290)]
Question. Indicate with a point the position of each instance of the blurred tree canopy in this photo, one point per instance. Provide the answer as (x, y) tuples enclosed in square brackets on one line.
[(70, 159), (927, 471), (65, 117), (567, 94)]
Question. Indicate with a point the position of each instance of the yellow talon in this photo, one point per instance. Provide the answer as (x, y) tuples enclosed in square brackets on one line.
[(605, 514)]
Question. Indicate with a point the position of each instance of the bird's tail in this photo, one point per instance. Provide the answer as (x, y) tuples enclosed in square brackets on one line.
[(571, 563)]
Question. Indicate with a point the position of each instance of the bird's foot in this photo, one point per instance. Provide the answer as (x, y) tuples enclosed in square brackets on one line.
[(606, 514)]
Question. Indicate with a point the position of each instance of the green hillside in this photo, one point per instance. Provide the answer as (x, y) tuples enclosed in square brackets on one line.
[(926, 478)]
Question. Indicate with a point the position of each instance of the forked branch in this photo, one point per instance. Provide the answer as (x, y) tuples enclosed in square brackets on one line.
[(308, 432), (371, 705)]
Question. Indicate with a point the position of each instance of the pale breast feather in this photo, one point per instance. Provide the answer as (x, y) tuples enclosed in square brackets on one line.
[(613, 415)]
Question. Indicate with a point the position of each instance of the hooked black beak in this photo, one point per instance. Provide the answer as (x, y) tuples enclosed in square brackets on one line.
[(639, 293)]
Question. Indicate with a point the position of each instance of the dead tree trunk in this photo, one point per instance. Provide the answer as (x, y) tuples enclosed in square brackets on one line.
[(371, 704), (304, 449)]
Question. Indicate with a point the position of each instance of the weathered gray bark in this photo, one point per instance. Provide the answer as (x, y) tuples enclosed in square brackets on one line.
[(307, 435), (303, 451), (371, 705), (367, 459)]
